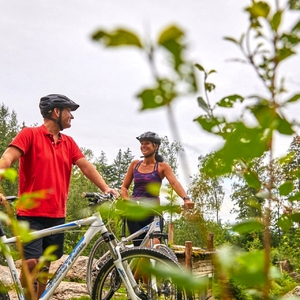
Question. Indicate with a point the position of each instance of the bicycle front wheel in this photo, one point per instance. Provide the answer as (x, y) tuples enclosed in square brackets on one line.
[(98, 256), (152, 285)]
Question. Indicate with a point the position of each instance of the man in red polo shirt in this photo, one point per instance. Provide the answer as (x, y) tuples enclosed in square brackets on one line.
[(46, 158)]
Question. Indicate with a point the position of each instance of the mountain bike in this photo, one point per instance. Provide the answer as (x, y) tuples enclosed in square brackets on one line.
[(100, 252), (120, 265)]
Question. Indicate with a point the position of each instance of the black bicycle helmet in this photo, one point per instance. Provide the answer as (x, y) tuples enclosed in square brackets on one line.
[(49, 102), (150, 136)]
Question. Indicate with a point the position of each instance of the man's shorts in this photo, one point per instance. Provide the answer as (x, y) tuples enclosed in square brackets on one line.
[(35, 249)]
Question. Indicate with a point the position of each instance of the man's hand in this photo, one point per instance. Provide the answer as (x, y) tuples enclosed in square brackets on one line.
[(2, 199), (113, 191)]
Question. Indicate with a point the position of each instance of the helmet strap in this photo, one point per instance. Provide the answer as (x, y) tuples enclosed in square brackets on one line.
[(57, 121), (146, 156)]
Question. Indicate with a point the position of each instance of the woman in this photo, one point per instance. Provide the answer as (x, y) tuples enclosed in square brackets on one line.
[(146, 173)]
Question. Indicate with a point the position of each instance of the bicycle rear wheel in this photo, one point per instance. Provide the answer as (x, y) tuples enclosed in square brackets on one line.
[(96, 260), (108, 283)]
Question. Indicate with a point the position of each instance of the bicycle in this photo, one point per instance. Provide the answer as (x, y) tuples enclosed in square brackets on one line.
[(117, 266), (100, 252)]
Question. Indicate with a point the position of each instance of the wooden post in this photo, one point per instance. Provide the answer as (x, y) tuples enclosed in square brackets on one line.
[(171, 233), (210, 241), (188, 255)]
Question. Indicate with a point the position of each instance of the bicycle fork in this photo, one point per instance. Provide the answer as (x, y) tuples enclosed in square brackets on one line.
[(127, 276), (123, 269)]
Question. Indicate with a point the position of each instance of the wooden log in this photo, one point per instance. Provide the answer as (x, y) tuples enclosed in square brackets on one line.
[(210, 241), (171, 233), (188, 255)]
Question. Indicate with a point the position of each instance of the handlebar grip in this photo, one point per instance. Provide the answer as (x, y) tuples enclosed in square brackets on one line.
[(88, 195), (11, 198)]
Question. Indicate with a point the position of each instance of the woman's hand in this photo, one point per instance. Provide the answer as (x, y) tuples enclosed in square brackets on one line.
[(188, 204)]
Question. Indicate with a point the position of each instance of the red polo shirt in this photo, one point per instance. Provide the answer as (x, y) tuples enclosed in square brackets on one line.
[(45, 165)]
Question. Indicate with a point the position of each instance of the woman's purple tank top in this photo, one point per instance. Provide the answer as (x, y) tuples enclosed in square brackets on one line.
[(141, 180)]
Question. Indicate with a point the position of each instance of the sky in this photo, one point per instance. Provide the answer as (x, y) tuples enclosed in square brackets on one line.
[(46, 48)]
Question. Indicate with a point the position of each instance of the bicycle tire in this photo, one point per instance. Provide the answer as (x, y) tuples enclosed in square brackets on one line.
[(94, 265), (108, 283), (166, 250)]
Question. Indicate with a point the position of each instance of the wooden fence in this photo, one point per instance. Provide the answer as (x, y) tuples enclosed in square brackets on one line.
[(199, 262)]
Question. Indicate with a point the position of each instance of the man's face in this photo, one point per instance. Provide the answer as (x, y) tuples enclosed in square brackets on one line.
[(66, 117)]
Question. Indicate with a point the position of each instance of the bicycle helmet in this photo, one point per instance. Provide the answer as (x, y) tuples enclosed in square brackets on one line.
[(49, 102), (150, 136)]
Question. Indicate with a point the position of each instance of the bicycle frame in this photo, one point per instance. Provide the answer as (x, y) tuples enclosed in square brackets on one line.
[(152, 227), (96, 225)]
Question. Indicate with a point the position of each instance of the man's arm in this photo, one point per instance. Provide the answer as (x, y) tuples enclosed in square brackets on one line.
[(9, 157), (92, 174)]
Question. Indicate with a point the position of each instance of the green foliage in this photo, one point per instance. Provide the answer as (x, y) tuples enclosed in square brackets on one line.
[(9, 127), (207, 191), (265, 45)]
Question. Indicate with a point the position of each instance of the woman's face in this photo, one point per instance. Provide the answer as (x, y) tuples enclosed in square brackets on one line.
[(147, 147)]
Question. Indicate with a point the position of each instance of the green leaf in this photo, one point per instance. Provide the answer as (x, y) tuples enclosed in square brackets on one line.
[(258, 9), (252, 179), (119, 37), (203, 104), (169, 34), (199, 67), (136, 210), (294, 98), (230, 39), (286, 188), (295, 217), (244, 143), (289, 40), (268, 118), (161, 95), (229, 101), (295, 197), (209, 86), (9, 174), (296, 28), (208, 123), (285, 222), (294, 4), (249, 269), (170, 39), (284, 127), (248, 226), (276, 20), (284, 53)]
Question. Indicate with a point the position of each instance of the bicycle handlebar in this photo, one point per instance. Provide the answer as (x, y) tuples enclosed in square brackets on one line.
[(97, 198), (11, 198)]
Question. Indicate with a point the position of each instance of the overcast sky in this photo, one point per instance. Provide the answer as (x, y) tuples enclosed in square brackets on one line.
[(46, 48)]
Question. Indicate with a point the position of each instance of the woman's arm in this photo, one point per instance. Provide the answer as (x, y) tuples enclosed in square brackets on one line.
[(176, 185)]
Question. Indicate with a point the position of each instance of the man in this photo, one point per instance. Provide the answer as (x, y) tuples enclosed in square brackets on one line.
[(46, 158)]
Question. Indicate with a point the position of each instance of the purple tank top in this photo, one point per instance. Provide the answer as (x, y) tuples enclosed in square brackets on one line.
[(141, 180)]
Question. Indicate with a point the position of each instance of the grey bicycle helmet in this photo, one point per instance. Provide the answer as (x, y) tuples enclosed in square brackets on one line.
[(150, 136), (49, 102)]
